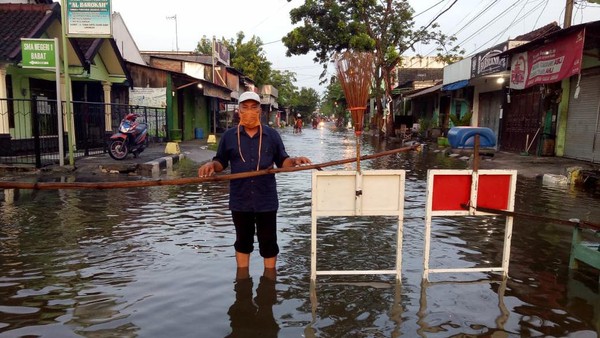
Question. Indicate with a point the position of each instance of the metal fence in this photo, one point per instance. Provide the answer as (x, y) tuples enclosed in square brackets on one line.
[(33, 125)]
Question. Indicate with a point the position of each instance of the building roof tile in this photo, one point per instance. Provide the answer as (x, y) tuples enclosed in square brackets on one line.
[(23, 21)]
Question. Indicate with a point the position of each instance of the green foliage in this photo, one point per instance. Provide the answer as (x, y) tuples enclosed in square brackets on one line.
[(204, 46), (334, 101), (306, 101), (425, 124), (464, 120), (284, 82), (249, 58)]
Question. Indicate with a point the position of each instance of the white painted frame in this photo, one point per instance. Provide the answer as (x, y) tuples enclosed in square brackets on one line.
[(429, 213), (336, 193)]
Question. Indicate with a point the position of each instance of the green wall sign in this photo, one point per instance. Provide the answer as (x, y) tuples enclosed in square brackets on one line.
[(38, 53)]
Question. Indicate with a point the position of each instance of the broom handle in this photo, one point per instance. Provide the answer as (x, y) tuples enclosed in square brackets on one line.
[(188, 180), (357, 154)]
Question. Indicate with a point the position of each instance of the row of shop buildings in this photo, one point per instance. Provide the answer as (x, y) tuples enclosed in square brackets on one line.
[(181, 95), (539, 93)]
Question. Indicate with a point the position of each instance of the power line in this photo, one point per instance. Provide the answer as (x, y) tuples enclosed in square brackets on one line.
[(500, 34), (268, 17), (512, 23), (477, 16), (270, 42), (410, 44), (543, 9), (488, 24), (425, 11)]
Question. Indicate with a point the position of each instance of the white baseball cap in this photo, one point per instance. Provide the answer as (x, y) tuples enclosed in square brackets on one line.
[(249, 96)]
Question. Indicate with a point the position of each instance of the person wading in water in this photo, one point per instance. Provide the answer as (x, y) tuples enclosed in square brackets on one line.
[(253, 201)]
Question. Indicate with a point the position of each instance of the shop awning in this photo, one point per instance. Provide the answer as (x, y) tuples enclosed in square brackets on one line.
[(424, 91), (455, 85)]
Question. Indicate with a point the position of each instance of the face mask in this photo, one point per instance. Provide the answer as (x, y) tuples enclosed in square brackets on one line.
[(250, 120)]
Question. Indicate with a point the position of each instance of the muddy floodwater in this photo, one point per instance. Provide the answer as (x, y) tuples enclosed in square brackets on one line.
[(159, 262)]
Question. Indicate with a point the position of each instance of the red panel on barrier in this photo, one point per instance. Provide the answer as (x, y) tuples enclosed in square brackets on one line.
[(493, 191), (450, 191)]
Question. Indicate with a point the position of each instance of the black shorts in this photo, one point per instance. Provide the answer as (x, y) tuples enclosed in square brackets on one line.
[(264, 224)]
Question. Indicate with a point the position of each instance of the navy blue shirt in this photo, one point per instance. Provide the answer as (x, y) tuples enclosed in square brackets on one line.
[(259, 193)]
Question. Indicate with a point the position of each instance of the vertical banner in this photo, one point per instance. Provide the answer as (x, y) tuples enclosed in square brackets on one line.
[(549, 63), (90, 18)]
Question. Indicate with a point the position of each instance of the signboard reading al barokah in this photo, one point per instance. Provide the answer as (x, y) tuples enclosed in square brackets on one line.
[(90, 18)]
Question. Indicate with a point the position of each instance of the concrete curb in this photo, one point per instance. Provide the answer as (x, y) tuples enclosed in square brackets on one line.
[(153, 168)]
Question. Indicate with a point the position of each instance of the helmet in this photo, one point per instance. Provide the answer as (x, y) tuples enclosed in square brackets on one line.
[(298, 115), (131, 116)]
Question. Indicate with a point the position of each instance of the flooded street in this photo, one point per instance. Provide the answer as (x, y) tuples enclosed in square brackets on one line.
[(159, 262)]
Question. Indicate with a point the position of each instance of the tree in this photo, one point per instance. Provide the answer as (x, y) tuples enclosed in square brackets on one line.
[(334, 101), (204, 46), (384, 27), (284, 82), (249, 58), (306, 101)]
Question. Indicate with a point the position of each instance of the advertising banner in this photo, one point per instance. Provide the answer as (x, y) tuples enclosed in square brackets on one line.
[(148, 97), (488, 61), (549, 63), (90, 18)]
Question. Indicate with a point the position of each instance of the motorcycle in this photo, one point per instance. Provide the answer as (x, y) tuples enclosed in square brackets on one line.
[(132, 137)]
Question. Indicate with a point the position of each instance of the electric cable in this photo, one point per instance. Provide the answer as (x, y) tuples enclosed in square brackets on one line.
[(517, 20), (543, 9), (478, 15), (510, 25)]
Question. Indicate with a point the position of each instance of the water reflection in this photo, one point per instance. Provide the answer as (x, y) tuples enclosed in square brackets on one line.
[(453, 313), (253, 317), (370, 306)]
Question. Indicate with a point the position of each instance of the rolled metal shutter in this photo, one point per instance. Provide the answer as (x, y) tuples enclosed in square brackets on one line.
[(583, 131)]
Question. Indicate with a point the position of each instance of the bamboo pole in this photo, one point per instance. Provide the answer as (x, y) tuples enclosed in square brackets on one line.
[(579, 223), (188, 180)]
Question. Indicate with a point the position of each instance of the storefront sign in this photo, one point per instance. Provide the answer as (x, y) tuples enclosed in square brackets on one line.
[(488, 61), (549, 63), (90, 18), (38, 53)]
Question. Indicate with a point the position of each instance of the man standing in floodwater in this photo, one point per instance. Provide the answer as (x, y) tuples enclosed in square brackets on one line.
[(253, 201)]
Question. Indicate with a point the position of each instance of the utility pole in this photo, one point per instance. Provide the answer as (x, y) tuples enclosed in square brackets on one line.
[(174, 17), (568, 13), (215, 100), (65, 41)]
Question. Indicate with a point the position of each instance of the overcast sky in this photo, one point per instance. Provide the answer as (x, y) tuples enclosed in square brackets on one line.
[(269, 19)]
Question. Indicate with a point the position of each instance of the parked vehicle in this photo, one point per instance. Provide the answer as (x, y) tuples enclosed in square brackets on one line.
[(132, 137)]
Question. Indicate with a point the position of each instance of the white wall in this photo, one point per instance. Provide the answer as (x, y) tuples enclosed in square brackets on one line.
[(457, 71), (125, 41)]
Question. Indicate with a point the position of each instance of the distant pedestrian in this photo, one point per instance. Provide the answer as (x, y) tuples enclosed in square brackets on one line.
[(251, 146), (298, 124)]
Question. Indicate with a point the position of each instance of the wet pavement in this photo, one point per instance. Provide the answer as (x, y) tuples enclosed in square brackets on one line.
[(154, 161), (151, 162)]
